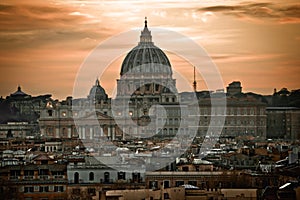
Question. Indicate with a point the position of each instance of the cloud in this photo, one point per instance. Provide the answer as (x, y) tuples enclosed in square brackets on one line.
[(289, 20), (240, 58), (30, 26), (38, 40), (44, 42), (81, 14), (257, 11)]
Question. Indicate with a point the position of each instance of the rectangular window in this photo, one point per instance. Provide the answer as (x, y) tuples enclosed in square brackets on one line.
[(185, 168), (121, 175), (44, 189), (50, 113), (179, 183), (166, 184), (147, 87), (156, 87), (57, 174), (58, 188), (137, 87), (14, 174), (153, 185), (28, 189), (28, 173), (193, 183)]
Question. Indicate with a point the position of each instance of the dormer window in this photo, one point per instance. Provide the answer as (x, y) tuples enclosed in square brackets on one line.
[(49, 105)]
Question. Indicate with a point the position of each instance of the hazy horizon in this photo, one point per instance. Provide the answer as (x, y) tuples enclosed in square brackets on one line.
[(44, 43)]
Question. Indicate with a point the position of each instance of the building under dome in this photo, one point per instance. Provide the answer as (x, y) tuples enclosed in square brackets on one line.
[(147, 105), (146, 80), (19, 93)]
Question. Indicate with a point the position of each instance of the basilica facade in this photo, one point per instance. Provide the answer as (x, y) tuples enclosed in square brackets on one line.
[(147, 104)]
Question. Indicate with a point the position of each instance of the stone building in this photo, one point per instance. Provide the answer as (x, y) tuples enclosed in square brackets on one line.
[(145, 88), (214, 180), (41, 178), (244, 115), (204, 180), (23, 106), (283, 123), (20, 113), (57, 119), (83, 170), (146, 92), (147, 105), (21, 129), (88, 178), (234, 88)]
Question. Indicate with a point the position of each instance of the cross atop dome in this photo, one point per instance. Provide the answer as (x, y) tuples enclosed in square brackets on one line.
[(97, 82), (146, 36), (145, 21)]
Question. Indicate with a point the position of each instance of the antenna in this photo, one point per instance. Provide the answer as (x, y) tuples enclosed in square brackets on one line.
[(195, 83)]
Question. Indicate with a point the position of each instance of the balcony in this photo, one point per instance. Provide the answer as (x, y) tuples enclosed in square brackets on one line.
[(28, 177), (107, 181), (58, 176), (14, 177), (44, 177)]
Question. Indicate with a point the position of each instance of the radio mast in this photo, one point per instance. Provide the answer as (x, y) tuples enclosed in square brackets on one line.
[(195, 83)]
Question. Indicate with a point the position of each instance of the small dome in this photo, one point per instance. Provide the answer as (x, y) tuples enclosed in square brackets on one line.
[(146, 57), (97, 92), (18, 93)]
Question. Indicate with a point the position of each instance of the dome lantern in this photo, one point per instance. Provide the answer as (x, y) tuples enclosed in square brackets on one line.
[(146, 36)]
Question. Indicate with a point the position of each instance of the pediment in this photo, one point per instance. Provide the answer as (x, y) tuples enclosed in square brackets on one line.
[(93, 115)]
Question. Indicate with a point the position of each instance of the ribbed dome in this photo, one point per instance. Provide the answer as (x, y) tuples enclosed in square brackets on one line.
[(146, 57), (97, 92)]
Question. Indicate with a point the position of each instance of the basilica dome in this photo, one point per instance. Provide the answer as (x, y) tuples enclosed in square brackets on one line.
[(97, 92), (146, 58)]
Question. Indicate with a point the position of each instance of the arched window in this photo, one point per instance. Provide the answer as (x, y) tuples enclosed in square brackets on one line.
[(136, 177), (121, 176), (76, 178), (64, 132), (91, 176), (165, 131), (106, 177)]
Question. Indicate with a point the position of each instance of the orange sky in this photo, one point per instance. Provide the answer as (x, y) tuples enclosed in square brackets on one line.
[(44, 43)]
